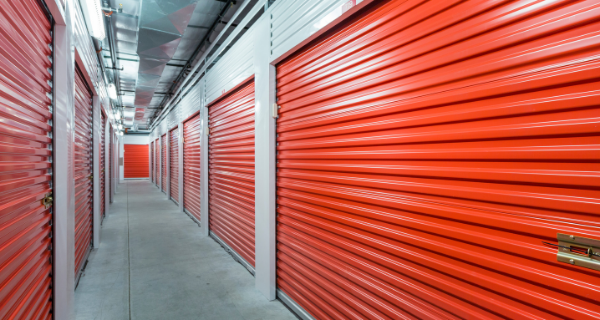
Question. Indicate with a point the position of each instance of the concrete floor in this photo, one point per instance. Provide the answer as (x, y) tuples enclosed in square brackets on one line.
[(153, 264)]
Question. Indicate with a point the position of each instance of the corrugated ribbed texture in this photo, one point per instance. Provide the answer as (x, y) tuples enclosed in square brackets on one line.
[(25, 164), (174, 164), (163, 162), (191, 166), (102, 164), (235, 67), (427, 149), (135, 161), (83, 170), (231, 170)]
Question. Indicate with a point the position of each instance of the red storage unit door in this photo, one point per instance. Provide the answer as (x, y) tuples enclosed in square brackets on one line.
[(191, 166), (174, 164), (136, 161), (102, 164), (111, 146), (428, 149), (25, 161), (83, 151), (163, 162), (157, 162), (231, 170)]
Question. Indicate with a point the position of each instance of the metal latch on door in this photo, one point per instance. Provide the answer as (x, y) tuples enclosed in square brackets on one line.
[(578, 251), (47, 200)]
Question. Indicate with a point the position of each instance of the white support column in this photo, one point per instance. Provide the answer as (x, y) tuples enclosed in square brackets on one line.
[(159, 161), (120, 165), (64, 186), (265, 163), (180, 183), (97, 124), (168, 166), (204, 216)]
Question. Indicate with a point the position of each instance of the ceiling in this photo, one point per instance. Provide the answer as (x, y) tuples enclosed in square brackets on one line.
[(162, 48)]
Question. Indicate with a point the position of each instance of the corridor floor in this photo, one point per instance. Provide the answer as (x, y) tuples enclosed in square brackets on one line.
[(154, 264)]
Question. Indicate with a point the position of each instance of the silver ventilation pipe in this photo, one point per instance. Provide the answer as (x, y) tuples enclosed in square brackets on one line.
[(162, 25)]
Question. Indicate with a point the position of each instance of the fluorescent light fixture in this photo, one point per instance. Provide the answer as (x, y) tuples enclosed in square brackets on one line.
[(92, 10), (112, 91), (120, 127), (120, 133)]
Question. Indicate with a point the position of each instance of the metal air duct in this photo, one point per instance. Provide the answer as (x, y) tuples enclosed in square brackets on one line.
[(162, 24)]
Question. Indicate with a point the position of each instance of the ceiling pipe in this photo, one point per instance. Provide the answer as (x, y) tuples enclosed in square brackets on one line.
[(205, 61)]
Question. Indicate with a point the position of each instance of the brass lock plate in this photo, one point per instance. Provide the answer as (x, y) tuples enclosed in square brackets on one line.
[(47, 200), (579, 251)]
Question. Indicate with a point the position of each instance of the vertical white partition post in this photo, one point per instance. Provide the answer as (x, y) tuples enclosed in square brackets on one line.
[(97, 126), (265, 159), (63, 184), (168, 165), (180, 159), (204, 165)]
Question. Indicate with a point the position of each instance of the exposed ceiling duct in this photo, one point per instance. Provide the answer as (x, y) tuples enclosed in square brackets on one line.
[(162, 25)]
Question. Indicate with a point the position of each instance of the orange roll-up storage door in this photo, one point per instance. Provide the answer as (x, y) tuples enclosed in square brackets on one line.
[(136, 160), (83, 169), (163, 162), (174, 164), (25, 161), (427, 152), (191, 166), (231, 170)]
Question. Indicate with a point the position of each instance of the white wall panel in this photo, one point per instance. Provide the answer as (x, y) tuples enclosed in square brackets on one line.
[(233, 68), (293, 21), (192, 101)]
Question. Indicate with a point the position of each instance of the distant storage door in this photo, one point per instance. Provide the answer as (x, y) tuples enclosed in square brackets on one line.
[(25, 161), (102, 165), (174, 164), (191, 166), (83, 169), (163, 162), (427, 150), (135, 161), (231, 170)]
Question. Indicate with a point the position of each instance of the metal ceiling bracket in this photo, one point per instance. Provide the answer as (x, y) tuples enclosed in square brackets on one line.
[(579, 251)]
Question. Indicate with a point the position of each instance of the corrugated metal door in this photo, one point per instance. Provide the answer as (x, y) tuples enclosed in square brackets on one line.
[(135, 161), (191, 166), (102, 165), (25, 161), (174, 161), (231, 170), (83, 150), (427, 149), (163, 162), (157, 162)]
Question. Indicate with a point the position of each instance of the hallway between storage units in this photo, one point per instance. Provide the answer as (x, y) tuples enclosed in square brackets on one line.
[(153, 263)]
